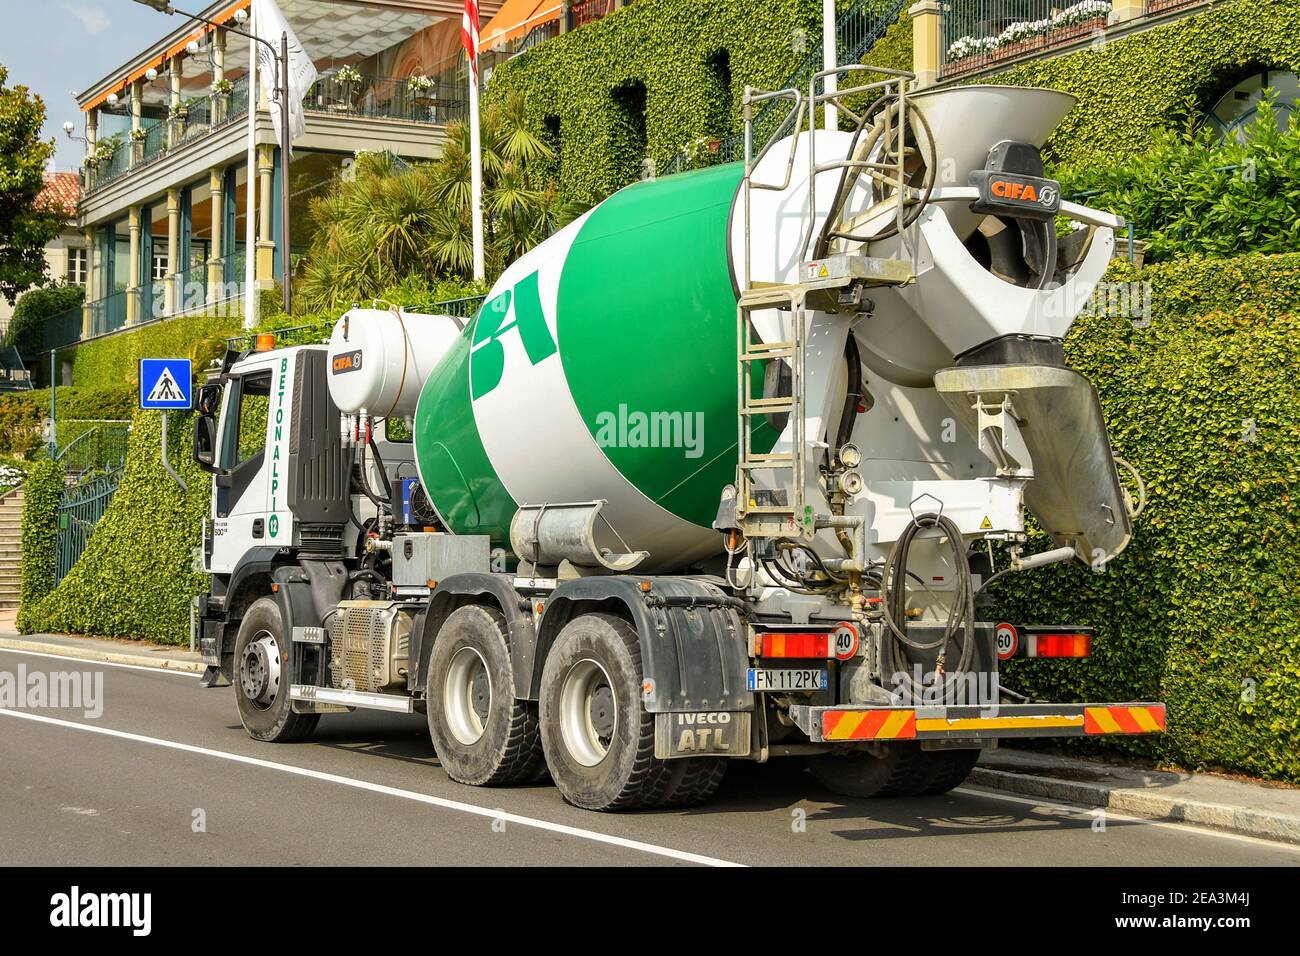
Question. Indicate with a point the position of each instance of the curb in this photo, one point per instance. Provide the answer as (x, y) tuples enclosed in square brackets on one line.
[(108, 657), (1149, 805)]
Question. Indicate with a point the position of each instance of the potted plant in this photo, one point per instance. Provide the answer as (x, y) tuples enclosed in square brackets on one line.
[(1079, 19), (222, 87), (965, 53), (418, 85), (348, 80)]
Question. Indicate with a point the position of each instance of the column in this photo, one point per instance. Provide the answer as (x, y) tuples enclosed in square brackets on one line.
[(174, 100), (927, 57), (133, 280), (265, 244), (90, 279), (173, 250), (92, 135), (216, 262), (136, 152), (1122, 11), (220, 103)]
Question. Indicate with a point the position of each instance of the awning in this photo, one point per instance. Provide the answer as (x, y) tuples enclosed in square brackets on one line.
[(515, 19)]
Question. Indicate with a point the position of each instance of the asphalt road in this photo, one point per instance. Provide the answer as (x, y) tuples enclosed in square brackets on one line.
[(133, 785)]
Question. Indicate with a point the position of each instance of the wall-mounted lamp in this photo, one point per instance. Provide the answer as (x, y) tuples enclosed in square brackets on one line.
[(151, 74), (111, 99)]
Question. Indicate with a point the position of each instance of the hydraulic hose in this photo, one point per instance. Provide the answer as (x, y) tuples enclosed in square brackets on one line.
[(853, 392), (894, 654)]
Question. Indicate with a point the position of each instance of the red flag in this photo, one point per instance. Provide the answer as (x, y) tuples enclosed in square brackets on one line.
[(469, 35)]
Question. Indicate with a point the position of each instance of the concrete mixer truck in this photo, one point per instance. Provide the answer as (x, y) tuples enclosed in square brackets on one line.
[(720, 471)]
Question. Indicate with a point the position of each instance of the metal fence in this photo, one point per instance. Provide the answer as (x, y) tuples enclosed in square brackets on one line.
[(90, 445), (980, 34), (80, 508)]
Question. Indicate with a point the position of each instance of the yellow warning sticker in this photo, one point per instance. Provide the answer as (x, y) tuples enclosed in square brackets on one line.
[(823, 274), (986, 524)]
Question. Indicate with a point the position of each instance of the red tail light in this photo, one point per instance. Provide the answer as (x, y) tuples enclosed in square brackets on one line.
[(1058, 645), (793, 644)]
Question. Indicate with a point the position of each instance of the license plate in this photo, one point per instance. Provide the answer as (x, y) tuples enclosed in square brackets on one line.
[(788, 679)]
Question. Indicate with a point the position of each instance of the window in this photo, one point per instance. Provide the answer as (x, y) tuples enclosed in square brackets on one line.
[(629, 129), (159, 266), (244, 435), (77, 266)]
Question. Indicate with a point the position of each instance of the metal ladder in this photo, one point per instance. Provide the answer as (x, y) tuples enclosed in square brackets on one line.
[(780, 510)]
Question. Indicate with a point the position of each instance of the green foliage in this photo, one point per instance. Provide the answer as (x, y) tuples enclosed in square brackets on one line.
[(1192, 193), (1202, 610), (26, 328), (1134, 87), (395, 223), (26, 224), (22, 413), (115, 358), (40, 515), (590, 82), (136, 577)]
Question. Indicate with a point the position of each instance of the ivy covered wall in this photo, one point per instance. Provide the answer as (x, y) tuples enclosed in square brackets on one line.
[(649, 78)]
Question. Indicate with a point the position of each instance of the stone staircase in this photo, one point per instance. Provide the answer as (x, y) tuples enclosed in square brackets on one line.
[(11, 548)]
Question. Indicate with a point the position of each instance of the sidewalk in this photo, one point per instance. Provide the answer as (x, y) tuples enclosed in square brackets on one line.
[(1252, 809), (138, 653)]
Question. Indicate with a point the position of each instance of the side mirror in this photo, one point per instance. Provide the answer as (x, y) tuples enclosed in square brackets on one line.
[(205, 442), (209, 399)]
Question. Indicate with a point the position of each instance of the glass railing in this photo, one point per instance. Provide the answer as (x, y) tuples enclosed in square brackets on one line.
[(62, 329)]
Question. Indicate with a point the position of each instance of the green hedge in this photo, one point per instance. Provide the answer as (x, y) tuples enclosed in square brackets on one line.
[(136, 576), (22, 413), (40, 513), (580, 77), (115, 357), (1203, 609)]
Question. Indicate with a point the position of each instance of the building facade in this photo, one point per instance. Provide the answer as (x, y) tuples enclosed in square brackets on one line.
[(165, 176)]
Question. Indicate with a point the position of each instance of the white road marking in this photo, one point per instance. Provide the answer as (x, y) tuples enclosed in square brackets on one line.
[(1126, 818), (489, 812), (88, 660)]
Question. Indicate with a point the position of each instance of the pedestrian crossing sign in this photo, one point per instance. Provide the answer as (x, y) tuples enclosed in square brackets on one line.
[(165, 383)]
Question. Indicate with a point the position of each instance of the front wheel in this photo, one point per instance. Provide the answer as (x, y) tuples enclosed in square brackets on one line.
[(598, 739), (261, 678)]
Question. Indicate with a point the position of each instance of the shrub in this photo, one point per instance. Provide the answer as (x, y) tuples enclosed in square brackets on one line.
[(1203, 609), (26, 330), (136, 578), (40, 517)]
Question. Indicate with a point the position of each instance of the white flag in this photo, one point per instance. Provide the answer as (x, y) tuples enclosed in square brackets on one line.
[(269, 23)]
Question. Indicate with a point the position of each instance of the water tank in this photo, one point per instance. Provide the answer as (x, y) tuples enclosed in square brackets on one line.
[(380, 358)]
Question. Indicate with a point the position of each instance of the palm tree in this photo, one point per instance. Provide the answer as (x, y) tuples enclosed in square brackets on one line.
[(395, 220)]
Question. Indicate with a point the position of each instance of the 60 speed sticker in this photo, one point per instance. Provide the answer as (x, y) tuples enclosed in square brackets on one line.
[(1006, 640)]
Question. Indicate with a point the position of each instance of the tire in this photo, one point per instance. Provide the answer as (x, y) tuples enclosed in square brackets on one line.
[(598, 739), (904, 771), (260, 693), (695, 780), (484, 736)]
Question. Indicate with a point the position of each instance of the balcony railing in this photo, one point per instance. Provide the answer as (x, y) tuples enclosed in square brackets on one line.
[(439, 98), (981, 34), (421, 99), (194, 120)]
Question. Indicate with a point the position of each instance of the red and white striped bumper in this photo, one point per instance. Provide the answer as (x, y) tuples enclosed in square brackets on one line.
[(848, 723)]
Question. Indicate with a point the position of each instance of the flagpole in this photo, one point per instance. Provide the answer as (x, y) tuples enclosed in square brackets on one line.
[(250, 229), (476, 172)]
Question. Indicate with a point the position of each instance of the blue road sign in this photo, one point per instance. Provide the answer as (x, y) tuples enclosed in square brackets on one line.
[(165, 383)]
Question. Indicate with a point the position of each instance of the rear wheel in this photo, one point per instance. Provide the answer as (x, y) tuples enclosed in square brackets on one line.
[(599, 740), (261, 678), (904, 770), (695, 780), (484, 736)]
